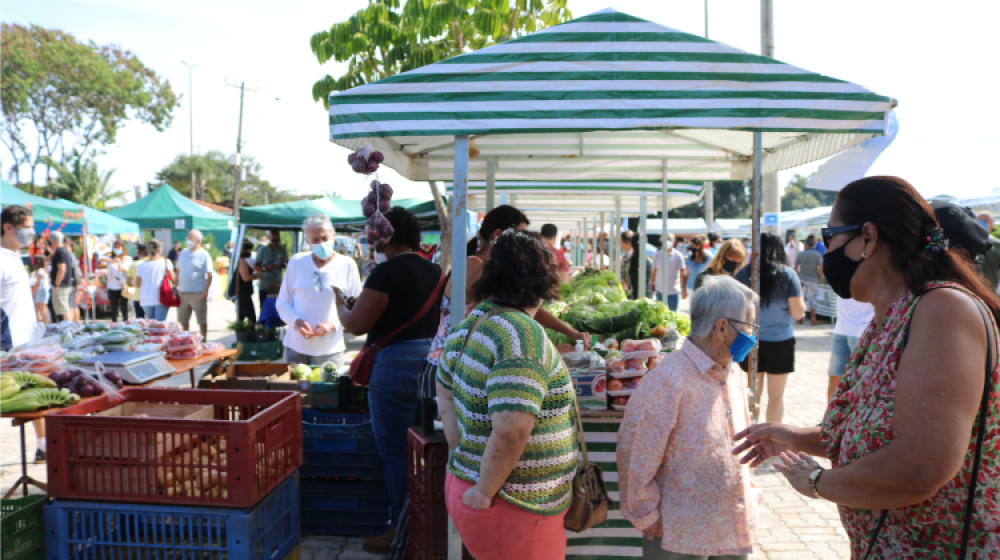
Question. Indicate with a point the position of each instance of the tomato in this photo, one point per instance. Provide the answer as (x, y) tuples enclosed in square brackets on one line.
[(616, 385), (630, 346), (599, 386), (635, 364), (620, 400), (647, 346)]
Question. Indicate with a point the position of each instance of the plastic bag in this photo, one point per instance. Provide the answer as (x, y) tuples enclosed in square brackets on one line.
[(186, 355), (583, 360), (212, 348), (47, 353), (100, 376), (647, 348), (41, 366)]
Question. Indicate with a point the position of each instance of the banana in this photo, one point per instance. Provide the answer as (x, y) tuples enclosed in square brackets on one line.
[(9, 391), (27, 379)]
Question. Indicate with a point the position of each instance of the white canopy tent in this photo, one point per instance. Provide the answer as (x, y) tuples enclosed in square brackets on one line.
[(604, 97)]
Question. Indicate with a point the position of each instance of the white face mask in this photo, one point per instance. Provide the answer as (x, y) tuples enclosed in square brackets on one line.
[(191, 243), (117, 250)]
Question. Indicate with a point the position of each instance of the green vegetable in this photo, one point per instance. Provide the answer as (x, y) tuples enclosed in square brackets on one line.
[(612, 323)]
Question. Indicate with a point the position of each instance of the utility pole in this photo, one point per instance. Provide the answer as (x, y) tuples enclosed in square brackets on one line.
[(194, 190), (771, 195), (236, 160)]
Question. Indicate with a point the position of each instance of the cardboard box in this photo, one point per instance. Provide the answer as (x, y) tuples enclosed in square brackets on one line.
[(162, 410), (304, 387), (249, 377)]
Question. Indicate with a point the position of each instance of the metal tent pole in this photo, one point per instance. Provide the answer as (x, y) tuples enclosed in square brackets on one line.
[(755, 201), (639, 250), (491, 183), (602, 243), (708, 193), (663, 235), (595, 262), (618, 238), (586, 245)]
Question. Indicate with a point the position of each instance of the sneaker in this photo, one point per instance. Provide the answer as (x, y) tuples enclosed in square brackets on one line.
[(39, 456), (381, 544)]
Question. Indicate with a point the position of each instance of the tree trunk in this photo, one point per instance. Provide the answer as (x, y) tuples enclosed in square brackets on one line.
[(444, 217)]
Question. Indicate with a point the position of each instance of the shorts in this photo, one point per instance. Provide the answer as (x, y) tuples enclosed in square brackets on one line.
[(61, 300), (774, 357), (192, 301), (42, 295), (840, 353), (810, 292)]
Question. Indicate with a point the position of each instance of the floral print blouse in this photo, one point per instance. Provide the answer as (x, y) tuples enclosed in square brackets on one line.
[(859, 421), (675, 461)]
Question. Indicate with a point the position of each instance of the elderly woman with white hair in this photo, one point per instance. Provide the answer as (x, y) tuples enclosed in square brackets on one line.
[(679, 482), (307, 302)]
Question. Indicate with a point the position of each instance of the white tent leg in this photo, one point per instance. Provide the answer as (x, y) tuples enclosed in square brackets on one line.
[(709, 195), (663, 234), (618, 238), (459, 227), (755, 201), (586, 244), (639, 250), (602, 245), (595, 262), (491, 183)]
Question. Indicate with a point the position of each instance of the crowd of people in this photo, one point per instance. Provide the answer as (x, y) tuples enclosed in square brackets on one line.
[(910, 427)]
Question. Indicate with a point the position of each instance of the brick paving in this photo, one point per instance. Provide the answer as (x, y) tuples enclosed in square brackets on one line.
[(792, 527)]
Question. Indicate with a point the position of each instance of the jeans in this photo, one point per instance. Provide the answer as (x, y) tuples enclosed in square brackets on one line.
[(394, 402), (156, 312), (840, 352), (673, 300), (140, 313)]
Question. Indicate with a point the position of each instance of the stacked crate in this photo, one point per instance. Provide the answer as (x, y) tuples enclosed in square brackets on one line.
[(218, 479), (22, 531), (343, 486), (428, 455)]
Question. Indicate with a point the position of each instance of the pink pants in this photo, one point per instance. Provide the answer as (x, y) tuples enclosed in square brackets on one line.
[(504, 531)]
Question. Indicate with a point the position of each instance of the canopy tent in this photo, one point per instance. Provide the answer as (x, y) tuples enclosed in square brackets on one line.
[(165, 208), (988, 203), (679, 226), (343, 213), (65, 216)]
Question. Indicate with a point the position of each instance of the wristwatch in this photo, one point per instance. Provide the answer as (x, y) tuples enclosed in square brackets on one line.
[(814, 480)]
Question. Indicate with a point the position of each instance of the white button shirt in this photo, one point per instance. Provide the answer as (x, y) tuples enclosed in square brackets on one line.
[(307, 294), (15, 297)]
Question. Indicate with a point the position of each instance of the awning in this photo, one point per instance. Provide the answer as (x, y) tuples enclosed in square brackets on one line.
[(165, 208)]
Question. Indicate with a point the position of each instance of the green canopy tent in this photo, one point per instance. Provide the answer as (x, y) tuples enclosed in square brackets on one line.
[(608, 96), (65, 216), (165, 208)]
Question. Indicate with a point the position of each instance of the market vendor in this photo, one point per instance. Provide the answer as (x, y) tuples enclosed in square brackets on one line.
[(307, 300)]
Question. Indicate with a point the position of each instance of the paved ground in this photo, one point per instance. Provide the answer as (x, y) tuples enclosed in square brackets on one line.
[(791, 526)]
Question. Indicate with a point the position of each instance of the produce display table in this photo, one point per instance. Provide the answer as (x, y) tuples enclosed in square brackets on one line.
[(19, 419)]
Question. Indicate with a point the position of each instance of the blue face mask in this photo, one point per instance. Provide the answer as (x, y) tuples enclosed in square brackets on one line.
[(323, 250), (741, 347)]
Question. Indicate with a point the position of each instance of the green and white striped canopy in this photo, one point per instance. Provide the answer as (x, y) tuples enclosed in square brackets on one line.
[(606, 97)]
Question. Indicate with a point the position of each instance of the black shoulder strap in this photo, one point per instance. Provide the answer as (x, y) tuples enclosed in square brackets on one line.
[(984, 406)]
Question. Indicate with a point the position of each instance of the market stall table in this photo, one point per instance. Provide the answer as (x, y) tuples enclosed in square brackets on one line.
[(19, 419)]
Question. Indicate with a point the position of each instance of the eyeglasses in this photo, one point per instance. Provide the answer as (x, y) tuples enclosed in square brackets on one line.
[(753, 328), (829, 232)]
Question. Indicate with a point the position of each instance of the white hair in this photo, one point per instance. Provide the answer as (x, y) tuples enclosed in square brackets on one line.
[(720, 297), (671, 237), (197, 234), (57, 237), (321, 221)]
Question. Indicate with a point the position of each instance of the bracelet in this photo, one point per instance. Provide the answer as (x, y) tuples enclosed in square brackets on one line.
[(814, 480)]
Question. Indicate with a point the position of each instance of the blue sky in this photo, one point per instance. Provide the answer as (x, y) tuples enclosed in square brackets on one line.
[(937, 60)]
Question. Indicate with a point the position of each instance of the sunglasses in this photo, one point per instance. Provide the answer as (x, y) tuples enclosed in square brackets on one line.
[(829, 232), (753, 328)]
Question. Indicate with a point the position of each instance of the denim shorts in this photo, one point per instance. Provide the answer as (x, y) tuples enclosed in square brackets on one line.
[(840, 353)]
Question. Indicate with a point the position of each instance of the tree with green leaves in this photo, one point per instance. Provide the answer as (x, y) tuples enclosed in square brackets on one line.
[(214, 180), (81, 182), (731, 200), (61, 96), (798, 197)]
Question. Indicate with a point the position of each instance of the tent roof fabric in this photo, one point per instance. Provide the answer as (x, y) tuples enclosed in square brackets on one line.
[(606, 96), (165, 208), (65, 216), (341, 212)]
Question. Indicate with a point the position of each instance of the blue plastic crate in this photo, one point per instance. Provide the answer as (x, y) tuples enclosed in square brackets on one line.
[(84, 530), (339, 445), (358, 509)]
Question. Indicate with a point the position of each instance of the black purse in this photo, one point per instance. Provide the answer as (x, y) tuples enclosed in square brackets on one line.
[(984, 406)]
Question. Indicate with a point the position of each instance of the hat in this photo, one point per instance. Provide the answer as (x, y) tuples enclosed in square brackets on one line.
[(962, 228)]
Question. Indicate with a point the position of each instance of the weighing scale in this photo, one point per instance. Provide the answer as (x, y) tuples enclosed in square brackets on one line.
[(133, 367)]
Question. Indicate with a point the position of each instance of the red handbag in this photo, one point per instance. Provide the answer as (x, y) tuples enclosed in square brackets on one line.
[(361, 366), (168, 295)]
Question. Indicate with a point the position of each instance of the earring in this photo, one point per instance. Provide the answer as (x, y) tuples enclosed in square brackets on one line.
[(864, 255)]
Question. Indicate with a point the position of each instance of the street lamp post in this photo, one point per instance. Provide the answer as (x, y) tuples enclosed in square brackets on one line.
[(191, 122)]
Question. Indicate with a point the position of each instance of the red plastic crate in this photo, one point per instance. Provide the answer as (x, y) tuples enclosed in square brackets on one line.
[(428, 459), (253, 444)]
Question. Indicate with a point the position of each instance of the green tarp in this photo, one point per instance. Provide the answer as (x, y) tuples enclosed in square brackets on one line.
[(165, 208), (65, 216), (343, 213)]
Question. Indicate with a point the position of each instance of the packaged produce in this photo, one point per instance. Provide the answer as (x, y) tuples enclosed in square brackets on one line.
[(653, 362), (183, 340), (212, 348), (616, 364), (186, 354), (619, 403), (126, 347), (149, 347), (48, 353), (96, 327), (42, 366), (163, 327), (648, 348), (113, 338), (156, 339), (82, 341)]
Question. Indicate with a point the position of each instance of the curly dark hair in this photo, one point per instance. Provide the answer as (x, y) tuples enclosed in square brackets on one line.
[(405, 227), (500, 218), (519, 270)]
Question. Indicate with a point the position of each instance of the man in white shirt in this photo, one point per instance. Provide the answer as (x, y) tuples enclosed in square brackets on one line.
[(307, 302), (17, 307), (675, 264), (792, 249), (194, 278)]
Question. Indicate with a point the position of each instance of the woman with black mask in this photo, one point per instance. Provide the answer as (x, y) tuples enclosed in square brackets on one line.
[(912, 430), (781, 304)]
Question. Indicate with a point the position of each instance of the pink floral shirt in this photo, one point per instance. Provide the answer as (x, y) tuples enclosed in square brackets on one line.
[(675, 461)]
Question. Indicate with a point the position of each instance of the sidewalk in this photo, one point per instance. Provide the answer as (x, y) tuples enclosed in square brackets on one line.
[(792, 527)]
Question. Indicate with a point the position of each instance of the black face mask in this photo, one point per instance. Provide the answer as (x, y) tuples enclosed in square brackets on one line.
[(730, 266), (839, 269)]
